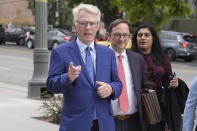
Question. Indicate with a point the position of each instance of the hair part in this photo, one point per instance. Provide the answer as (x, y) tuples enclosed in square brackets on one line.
[(119, 21), (86, 7)]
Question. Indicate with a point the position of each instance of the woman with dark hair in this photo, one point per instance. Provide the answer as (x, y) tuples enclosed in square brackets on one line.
[(157, 65)]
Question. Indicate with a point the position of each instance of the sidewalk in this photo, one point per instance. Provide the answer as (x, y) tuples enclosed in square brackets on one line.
[(17, 111)]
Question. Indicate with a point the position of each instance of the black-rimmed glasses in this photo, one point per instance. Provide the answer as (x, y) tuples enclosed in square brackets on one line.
[(86, 23), (118, 35)]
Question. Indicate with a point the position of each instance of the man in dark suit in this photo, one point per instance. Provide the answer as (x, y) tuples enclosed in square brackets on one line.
[(127, 109), (86, 74)]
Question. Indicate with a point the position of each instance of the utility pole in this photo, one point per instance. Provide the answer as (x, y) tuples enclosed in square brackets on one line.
[(41, 53), (56, 12)]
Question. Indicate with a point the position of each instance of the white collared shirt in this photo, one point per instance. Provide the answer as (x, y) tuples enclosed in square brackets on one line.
[(130, 88), (82, 47)]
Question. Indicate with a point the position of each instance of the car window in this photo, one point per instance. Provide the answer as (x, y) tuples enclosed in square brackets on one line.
[(65, 32), (12, 30), (51, 33), (18, 30), (60, 33), (190, 38), (57, 32)]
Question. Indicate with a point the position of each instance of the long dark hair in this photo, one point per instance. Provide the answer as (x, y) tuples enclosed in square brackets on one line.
[(156, 50)]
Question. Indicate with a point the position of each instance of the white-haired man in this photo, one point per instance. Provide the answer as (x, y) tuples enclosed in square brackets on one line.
[(86, 74)]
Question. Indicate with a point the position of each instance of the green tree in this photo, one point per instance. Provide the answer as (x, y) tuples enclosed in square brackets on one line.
[(65, 14), (155, 12), (195, 3), (110, 13)]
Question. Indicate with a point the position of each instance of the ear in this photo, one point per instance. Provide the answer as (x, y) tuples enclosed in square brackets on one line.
[(131, 36), (98, 27), (108, 36), (74, 25)]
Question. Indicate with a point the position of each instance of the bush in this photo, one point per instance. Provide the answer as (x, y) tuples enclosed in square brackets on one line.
[(52, 108), (19, 20), (5, 22), (22, 22)]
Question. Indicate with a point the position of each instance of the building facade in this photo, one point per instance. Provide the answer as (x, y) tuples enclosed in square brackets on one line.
[(9, 9)]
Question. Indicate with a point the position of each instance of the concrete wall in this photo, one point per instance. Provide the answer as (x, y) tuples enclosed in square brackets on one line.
[(8, 9)]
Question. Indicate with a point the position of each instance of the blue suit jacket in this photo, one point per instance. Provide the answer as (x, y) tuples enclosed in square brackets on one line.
[(80, 97), (190, 108)]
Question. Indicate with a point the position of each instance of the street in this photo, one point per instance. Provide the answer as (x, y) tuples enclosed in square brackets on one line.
[(16, 69), (185, 70), (16, 65)]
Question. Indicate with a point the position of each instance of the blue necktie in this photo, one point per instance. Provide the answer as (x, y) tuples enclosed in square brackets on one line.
[(89, 64)]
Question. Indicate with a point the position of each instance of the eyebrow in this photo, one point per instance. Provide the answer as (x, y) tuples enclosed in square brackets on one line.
[(143, 33)]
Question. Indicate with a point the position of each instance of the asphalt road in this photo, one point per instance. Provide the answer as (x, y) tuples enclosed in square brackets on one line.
[(16, 65), (185, 70), (17, 112)]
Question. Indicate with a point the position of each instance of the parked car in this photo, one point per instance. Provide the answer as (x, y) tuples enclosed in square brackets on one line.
[(56, 36), (179, 45), (29, 41), (16, 35)]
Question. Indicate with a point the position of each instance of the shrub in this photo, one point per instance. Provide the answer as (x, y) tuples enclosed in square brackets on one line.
[(52, 108)]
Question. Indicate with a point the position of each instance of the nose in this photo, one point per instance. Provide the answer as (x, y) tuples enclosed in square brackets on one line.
[(143, 37), (88, 25), (121, 37)]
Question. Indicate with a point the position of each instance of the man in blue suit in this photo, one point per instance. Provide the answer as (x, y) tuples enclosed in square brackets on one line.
[(86, 74), (190, 108)]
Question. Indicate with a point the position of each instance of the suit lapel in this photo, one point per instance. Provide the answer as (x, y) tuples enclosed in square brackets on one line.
[(76, 55), (99, 60), (133, 67), (77, 59)]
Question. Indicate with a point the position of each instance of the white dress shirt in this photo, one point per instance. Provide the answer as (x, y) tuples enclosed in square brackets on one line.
[(130, 88), (82, 47)]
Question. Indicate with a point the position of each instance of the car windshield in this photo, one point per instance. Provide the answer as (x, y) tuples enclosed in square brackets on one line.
[(64, 31), (190, 38)]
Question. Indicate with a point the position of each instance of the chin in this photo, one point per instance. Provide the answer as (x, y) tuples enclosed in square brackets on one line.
[(122, 47), (89, 38)]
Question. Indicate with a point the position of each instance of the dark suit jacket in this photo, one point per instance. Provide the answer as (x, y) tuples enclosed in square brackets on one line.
[(140, 81), (80, 97)]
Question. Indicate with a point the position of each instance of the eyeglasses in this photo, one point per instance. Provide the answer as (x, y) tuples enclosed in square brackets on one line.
[(118, 35), (85, 24)]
